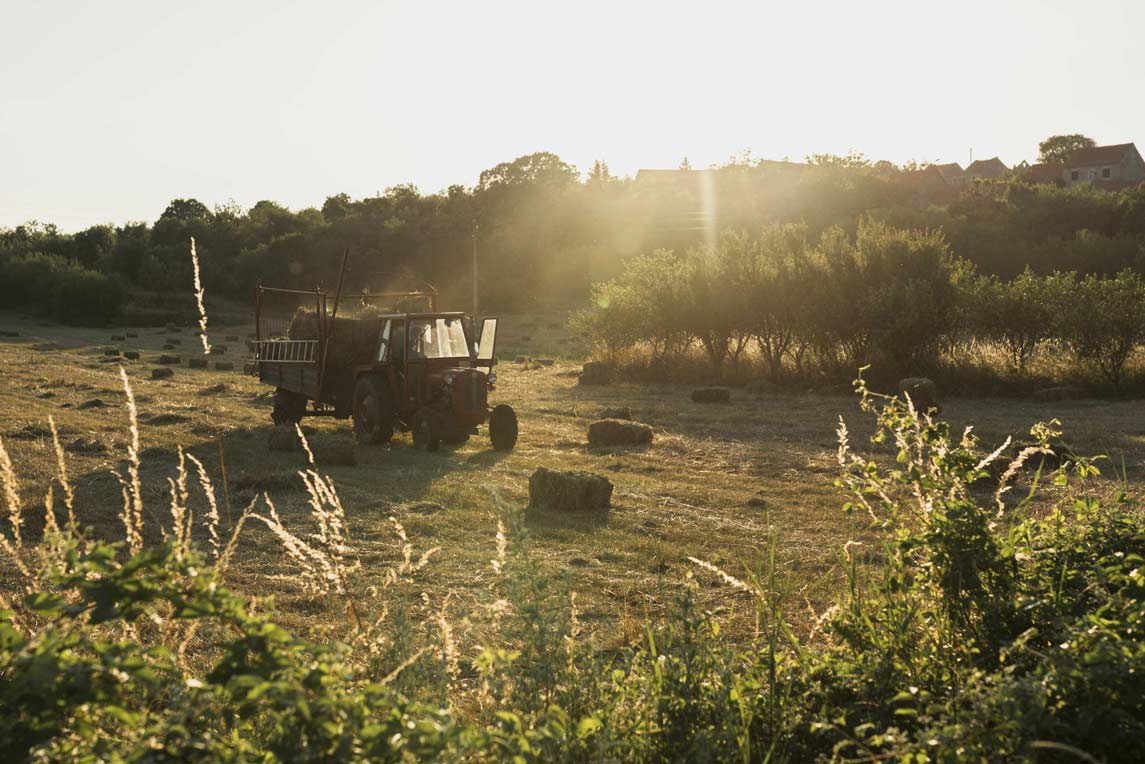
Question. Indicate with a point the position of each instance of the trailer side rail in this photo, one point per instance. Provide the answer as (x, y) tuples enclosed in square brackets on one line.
[(286, 351)]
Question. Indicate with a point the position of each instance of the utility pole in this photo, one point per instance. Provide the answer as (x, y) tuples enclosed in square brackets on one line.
[(475, 303)]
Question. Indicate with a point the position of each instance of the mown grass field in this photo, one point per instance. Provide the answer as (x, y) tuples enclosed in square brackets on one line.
[(717, 483)]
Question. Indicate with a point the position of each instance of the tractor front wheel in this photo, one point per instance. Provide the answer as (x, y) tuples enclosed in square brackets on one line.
[(426, 433), (503, 427), (373, 414), (289, 407)]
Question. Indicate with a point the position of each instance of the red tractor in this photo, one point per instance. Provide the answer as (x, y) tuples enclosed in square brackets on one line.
[(388, 367)]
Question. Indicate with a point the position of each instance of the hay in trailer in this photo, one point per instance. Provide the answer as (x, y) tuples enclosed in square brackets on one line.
[(353, 339)]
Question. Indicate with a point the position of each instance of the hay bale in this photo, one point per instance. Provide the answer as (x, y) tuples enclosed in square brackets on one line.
[(569, 491), (111, 351), (922, 391), (131, 355), (283, 438), (1063, 393), (224, 366), (596, 373), (619, 412), (163, 372), (618, 432), (333, 449), (196, 363), (711, 395), (170, 360)]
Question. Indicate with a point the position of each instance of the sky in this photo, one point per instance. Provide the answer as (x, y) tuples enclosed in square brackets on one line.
[(109, 110)]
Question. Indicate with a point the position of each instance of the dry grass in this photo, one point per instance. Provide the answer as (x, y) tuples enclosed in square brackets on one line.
[(716, 485)]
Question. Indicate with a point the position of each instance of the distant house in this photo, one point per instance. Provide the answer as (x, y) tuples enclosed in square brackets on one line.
[(952, 173), (987, 169), (1108, 167), (1043, 173), (930, 184)]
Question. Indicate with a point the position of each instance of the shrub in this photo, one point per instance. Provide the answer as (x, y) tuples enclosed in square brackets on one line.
[(87, 297), (1106, 322)]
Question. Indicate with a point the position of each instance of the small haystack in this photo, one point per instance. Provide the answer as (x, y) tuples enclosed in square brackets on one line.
[(619, 432), (596, 373), (283, 438), (569, 491), (163, 372), (923, 393)]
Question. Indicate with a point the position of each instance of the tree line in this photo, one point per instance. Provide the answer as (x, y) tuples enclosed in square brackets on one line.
[(899, 299), (546, 233)]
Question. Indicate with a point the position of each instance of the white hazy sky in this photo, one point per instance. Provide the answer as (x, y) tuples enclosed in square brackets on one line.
[(110, 109)]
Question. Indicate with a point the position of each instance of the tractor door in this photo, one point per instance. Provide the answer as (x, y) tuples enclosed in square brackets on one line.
[(487, 345)]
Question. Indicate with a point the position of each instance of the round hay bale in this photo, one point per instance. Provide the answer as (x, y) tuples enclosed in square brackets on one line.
[(619, 412), (596, 373), (131, 355), (1063, 393), (618, 432), (196, 363), (334, 449), (711, 395), (170, 360), (922, 391), (283, 438), (569, 491), (163, 372), (224, 366)]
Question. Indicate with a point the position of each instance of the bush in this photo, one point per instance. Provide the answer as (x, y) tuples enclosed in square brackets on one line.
[(1106, 322), (87, 297)]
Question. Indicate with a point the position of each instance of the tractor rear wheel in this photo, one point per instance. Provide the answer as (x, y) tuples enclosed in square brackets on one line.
[(503, 427), (426, 433), (373, 412), (289, 407)]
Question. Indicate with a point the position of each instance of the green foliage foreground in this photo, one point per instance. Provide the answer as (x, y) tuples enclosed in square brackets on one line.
[(981, 630)]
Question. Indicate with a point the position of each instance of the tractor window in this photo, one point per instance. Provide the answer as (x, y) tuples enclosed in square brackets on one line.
[(384, 340), (437, 338)]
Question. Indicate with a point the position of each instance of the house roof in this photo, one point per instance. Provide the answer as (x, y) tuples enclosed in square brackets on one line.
[(982, 166), (949, 171), (1100, 155), (1043, 173)]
